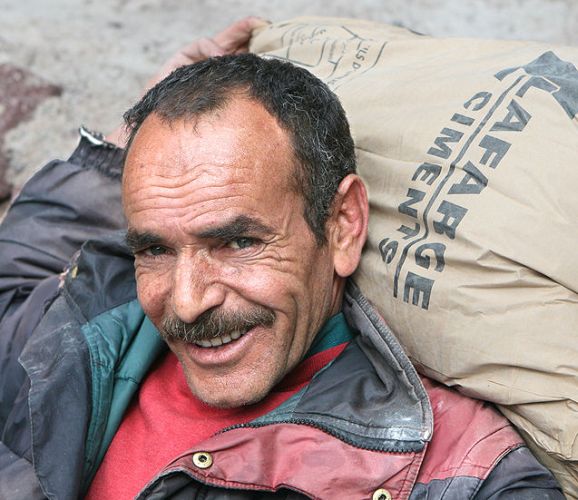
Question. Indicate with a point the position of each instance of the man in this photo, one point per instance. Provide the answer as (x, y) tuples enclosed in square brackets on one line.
[(245, 220)]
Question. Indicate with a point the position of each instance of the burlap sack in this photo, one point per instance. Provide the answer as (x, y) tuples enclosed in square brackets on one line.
[(469, 149)]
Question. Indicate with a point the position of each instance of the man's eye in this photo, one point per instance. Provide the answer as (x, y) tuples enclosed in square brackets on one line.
[(154, 251), (241, 243)]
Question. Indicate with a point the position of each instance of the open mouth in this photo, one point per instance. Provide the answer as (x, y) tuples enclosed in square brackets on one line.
[(222, 340)]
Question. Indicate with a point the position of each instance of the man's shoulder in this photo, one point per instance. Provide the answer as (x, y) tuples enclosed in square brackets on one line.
[(469, 434), (474, 450)]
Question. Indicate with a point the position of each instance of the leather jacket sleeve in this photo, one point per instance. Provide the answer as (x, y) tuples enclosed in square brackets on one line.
[(59, 208)]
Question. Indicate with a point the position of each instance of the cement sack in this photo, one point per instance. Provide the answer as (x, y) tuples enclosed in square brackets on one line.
[(469, 149)]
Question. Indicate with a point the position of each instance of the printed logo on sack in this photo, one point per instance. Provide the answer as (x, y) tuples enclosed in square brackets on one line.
[(477, 140), (325, 51)]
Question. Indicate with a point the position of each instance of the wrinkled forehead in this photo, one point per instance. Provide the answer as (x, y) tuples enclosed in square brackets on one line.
[(238, 153), (240, 139)]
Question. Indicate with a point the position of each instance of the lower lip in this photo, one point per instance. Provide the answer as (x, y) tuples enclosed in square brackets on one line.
[(223, 354)]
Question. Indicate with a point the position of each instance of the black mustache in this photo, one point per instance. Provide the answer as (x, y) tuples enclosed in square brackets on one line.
[(215, 323)]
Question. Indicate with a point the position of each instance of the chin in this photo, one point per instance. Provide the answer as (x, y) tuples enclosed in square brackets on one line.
[(234, 402), (219, 398)]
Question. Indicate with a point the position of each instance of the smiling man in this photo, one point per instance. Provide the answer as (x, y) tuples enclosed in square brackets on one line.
[(245, 220), (227, 266)]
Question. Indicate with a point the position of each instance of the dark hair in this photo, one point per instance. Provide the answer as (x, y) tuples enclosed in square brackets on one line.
[(301, 103)]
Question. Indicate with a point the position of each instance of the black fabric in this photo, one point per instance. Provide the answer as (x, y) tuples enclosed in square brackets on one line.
[(44, 226), (105, 263), (14, 333), (454, 488), (520, 475), (517, 476), (18, 479), (57, 363), (17, 435), (180, 486), (375, 413), (62, 206)]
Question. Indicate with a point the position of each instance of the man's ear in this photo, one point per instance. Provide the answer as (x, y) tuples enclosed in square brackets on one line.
[(349, 224)]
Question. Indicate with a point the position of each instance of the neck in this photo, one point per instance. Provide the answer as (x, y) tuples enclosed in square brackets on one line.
[(337, 295)]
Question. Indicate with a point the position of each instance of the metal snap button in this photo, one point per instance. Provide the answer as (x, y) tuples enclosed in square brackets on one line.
[(381, 494), (202, 459)]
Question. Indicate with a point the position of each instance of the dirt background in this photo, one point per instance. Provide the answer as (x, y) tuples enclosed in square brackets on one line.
[(64, 63)]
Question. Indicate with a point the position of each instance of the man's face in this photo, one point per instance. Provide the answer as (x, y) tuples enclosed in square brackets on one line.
[(218, 231)]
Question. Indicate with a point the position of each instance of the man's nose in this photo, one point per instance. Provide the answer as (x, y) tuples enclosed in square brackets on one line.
[(195, 287)]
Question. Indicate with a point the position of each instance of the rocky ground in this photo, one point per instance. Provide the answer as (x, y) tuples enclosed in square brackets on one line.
[(64, 63)]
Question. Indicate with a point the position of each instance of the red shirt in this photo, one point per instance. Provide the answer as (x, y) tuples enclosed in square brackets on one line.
[(165, 420)]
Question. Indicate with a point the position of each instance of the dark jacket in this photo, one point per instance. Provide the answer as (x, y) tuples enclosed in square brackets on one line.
[(75, 348)]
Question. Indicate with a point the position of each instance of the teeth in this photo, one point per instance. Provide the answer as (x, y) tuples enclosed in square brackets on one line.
[(225, 339), (216, 342)]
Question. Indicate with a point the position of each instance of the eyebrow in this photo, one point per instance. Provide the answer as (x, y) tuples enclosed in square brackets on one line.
[(137, 241), (241, 225)]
